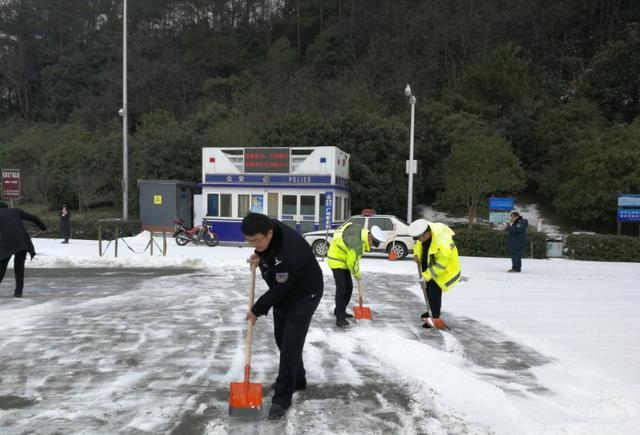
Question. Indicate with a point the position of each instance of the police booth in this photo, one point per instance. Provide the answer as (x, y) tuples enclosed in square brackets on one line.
[(307, 188)]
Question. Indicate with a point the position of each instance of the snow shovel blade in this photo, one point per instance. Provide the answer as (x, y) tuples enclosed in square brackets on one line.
[(362, 313), (245, 400), (439, 323)]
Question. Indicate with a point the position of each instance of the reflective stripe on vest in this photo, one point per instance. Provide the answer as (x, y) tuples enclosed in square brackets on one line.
[(452, 280)]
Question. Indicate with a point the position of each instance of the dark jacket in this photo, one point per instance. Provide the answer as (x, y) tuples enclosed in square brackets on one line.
[(13, 235), (517, 234), (290, 269), (65, 224)]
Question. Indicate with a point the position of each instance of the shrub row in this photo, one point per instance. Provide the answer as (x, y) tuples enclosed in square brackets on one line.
[(88, 229), (481, 242), (598, 247)]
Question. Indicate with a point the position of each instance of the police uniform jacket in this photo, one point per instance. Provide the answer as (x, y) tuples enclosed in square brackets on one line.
[(14, 237), (290, 269)]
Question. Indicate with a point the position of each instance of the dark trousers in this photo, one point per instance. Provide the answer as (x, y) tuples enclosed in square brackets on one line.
[(65, 230), (344, 289), (290, 327), (18, 267), (516, 259), (434, 294)]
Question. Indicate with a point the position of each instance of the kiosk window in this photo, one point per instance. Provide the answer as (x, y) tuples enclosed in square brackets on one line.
[(250, 203), (244, 202), (273, 205), (338, 212), (219, 204)]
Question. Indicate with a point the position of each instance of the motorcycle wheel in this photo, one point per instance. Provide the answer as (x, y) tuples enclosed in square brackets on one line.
[(211, 239), (181, 239)]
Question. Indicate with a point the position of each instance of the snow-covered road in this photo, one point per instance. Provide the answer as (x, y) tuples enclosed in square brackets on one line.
[(153, 351)]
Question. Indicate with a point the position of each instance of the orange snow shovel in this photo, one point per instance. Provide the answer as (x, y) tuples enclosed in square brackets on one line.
[(393, 254), (360, 312), (245, 399)]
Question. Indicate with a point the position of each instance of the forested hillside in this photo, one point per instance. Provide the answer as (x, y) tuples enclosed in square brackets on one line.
[(513, 96)]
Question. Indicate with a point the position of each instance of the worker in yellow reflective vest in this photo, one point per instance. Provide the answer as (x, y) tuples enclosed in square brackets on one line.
[(350, 242), (437, 255)]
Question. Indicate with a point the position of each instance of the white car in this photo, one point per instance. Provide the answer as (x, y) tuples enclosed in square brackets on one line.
[(394, 229)]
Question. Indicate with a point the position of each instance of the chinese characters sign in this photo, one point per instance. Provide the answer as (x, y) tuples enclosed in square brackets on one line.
[(266, 160), (10, 183)]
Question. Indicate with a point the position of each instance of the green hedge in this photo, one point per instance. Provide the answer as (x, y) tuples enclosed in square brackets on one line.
[(88, 229), (482, 242), (598, 247)]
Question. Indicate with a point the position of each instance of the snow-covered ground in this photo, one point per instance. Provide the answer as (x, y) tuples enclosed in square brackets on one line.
[(143, 344)]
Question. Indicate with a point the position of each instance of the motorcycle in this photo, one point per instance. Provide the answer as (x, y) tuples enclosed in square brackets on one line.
[(197, 234)]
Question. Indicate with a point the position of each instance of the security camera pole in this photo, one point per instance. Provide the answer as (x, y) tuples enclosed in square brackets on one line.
[(125, 123), (410, 164)]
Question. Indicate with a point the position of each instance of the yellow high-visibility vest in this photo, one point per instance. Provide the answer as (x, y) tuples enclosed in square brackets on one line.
[(347, 248), (443, 262)]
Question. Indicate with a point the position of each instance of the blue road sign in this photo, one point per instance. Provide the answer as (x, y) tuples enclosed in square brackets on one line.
[(628, 215), (496, 203)]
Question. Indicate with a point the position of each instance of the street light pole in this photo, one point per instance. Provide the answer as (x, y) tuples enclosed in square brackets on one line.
[(125, 123), (412, 101)]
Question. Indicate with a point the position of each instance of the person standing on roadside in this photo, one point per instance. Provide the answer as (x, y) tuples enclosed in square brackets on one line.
[(295, 283), (516, 240), (65, 223), (15, 241)]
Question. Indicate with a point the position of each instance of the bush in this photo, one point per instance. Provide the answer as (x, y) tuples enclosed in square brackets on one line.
[(88, 228), (599, 247), (480, 242)]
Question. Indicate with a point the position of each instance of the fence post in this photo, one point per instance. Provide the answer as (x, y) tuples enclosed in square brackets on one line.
[(164, 244), (100, 240), (531, 249), (117, 237), (151, 242)]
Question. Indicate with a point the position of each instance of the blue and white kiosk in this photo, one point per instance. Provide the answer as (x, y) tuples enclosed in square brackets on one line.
[(307, 188)]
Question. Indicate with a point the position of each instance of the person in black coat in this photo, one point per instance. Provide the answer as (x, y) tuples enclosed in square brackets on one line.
[(15, 240), (517, 240), (65, 223), (295, 282)]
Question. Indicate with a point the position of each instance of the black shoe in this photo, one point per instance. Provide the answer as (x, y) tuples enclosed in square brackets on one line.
[(425, 315), (426, 325), (276, 411), (66, 241), (342, 322), (17, 294), (348, 315)]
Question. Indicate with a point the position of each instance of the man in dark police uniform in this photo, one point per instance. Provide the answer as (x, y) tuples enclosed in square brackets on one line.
[(295, 282)]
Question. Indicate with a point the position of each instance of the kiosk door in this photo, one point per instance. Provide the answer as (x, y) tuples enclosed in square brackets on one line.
[(290, 210), (299, 212), (307, 213)]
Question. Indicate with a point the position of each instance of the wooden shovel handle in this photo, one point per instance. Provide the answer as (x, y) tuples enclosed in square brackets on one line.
[(360, 293), (247, 355)]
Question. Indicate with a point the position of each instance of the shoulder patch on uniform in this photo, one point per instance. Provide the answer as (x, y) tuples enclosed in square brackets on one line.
[(282, 277)]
